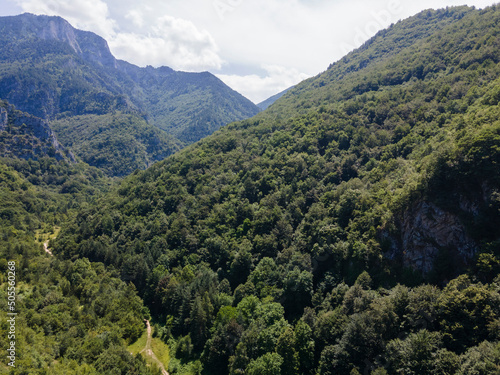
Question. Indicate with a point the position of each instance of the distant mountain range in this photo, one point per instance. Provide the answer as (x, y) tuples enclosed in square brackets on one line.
[(69, 77), (269, 101)]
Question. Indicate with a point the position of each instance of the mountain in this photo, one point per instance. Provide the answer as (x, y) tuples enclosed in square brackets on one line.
[(352, 227), (266, 103), (118, 143), (58, 73), (189, 106)]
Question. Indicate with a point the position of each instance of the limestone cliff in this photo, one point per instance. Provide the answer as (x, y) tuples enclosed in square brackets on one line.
[(89, 46)]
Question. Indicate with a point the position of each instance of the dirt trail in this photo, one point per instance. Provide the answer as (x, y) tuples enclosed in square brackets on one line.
[(46, 248), (42, 235), (149, 352)]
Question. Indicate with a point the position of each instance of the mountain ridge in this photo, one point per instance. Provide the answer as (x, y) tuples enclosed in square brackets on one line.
[(353, 111), (269, 101), (56, 72)]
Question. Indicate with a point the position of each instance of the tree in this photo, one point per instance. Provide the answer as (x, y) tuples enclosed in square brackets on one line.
[(268, 364), (482, 359), (305, 347), (297, 292), (415, 354), (286, 348)]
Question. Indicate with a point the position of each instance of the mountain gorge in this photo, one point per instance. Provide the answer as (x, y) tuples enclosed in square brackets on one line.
[(68, 76), (28, 137), (352, 227)]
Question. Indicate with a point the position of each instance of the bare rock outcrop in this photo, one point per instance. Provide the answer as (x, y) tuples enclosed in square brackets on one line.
[(26, 136), (426, 229)]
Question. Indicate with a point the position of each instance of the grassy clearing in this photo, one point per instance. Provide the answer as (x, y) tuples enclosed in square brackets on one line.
[(42, 235), (159, 348), (137, 346), (161, 351)]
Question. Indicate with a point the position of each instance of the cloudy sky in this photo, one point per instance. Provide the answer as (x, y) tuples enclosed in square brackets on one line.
[(258, 47)]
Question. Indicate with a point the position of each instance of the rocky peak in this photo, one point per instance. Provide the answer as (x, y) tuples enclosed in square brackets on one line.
[(56, 28), (87, 45)]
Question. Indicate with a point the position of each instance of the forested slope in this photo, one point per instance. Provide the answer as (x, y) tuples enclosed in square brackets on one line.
[(73, 317), (188, 106), (118, 143), (350, 228), (28, 137)]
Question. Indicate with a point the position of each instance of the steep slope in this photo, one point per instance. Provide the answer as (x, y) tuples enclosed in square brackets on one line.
[(262, 242), (332, 142), (72, 317), (53, 71), (28, 137), (48, 69), (58, 328), (118, 143)]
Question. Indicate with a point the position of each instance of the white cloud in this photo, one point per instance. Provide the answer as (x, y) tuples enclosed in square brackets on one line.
[(218, 35), (136, 17), (171, 41), (84, 14), (258, 88)]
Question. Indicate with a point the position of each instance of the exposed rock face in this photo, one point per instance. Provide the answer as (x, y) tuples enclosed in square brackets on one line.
[(426, 229), (26, 136), (86, 44), (54, 28)]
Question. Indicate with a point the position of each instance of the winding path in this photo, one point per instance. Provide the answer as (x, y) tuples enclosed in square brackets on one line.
[(149, 352), (46, 248)]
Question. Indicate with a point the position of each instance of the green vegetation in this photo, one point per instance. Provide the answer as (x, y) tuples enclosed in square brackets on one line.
[(190, 106), (351, 228), (161, 350), (73, 317), (27, 137), (137, 346), (156, 346), (117, 143)]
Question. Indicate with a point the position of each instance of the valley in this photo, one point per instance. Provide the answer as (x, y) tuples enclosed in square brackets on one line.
[(351, 227)]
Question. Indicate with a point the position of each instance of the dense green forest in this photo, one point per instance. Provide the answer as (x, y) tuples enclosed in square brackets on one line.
[(25, 136), (351, 228), (74, 317), (186, 105), (117, 143)]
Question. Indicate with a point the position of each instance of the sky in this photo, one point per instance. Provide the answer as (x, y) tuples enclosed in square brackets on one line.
[(257, 47)]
